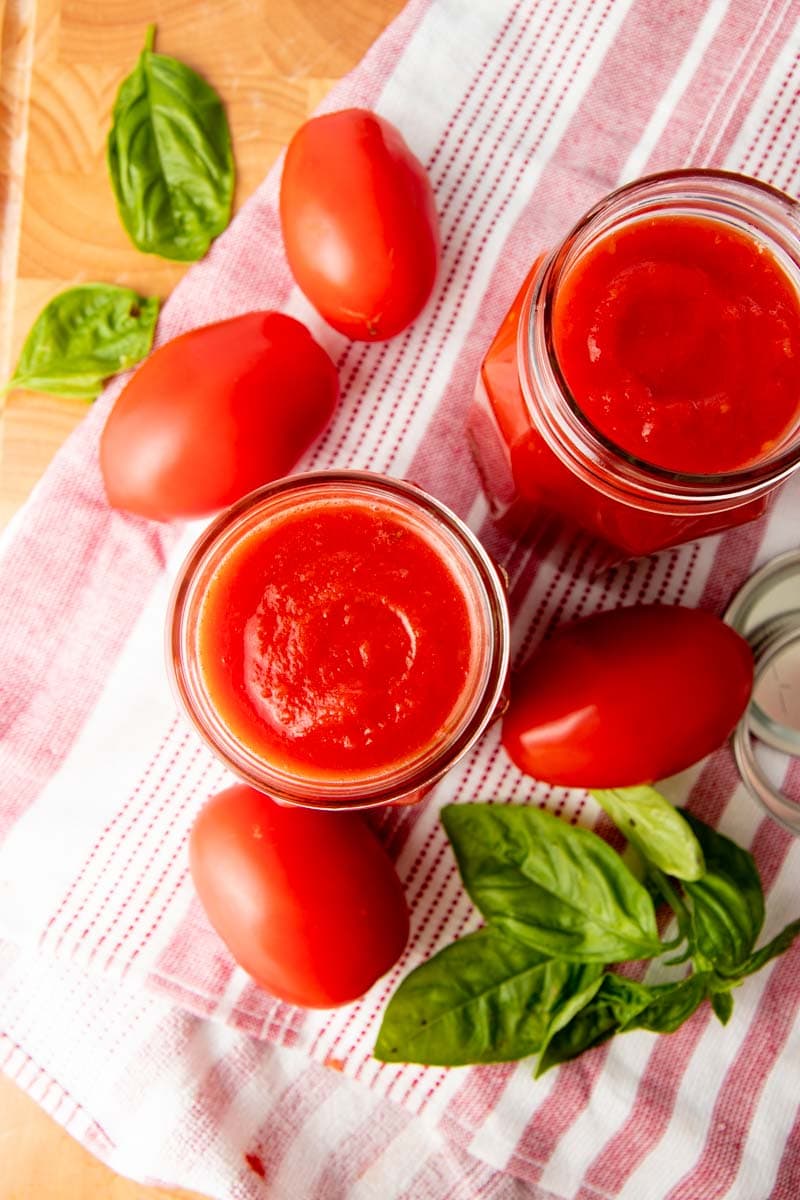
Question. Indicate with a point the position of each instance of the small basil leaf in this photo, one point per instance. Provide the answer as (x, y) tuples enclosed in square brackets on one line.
[(727, 904), (655, 827), (754, 962), (82, 337), (483, 999), (722, 1004), (671, 1005), (170, 158), (586, 985), (615, 1003), (554, 886)]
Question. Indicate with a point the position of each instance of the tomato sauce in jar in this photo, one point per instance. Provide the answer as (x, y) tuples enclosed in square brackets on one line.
[(340, 639), (645, 384)]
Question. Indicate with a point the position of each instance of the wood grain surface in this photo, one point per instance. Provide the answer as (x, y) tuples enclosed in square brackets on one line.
[(61, 62)]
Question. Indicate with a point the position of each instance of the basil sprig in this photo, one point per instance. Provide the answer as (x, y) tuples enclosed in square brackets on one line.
[(170, 158), (82, 337), (561, 905)]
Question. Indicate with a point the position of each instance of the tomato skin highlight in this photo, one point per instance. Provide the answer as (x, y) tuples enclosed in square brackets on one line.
[(215, 413), (359, 223), (307, 901), (627, 697)]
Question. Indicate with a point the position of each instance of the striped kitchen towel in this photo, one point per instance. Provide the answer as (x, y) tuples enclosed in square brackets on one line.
[(120, 1010)]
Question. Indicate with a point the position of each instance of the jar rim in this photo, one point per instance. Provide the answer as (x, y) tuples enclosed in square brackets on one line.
[(566, 428), (473, 570)]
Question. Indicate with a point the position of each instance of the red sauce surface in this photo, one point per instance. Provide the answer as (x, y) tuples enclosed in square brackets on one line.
[(336, 640), (679, 338)]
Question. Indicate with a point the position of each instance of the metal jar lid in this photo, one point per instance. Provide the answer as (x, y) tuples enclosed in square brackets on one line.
[(767, 612)]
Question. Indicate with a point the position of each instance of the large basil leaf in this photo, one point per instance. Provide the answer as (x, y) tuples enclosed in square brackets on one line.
[(754, 962), (671, 1005), (82, 337), (170, 158), (655, 827), (554, 886), (614, 1005), (727, 904), (483, 999)]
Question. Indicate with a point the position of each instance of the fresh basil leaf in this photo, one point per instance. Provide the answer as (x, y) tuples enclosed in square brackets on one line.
[(754, 962), (170, 158), (661, 888), (722, 1004), (585, 985), (483, 999), (727, 904), (82, 337), (636, 864), (554, 886), (615, 1003), (655, 827), (671, 1005)]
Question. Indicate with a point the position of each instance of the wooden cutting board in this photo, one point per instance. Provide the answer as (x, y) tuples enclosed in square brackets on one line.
[(61, 62)]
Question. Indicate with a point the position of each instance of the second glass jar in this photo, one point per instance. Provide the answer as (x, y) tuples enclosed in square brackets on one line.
[(670, 291)]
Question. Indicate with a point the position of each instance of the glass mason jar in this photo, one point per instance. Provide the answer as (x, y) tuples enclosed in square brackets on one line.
[(313, 601), (537, 450)]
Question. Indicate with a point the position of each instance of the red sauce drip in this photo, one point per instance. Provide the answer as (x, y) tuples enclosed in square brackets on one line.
[(255, 1164)]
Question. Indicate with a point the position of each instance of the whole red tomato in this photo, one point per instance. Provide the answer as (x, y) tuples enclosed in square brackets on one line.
[(359, 223), (627, 697), (307, 901), (214, 414)]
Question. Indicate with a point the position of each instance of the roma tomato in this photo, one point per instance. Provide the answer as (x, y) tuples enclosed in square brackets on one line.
[(307, 901), (214, 414), (359, 223), (627, 697)]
